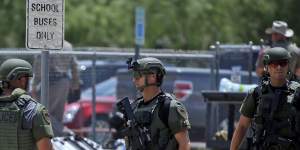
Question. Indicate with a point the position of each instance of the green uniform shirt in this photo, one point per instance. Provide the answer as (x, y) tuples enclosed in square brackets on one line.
[(178, 117), (41, 125), (248, 106)]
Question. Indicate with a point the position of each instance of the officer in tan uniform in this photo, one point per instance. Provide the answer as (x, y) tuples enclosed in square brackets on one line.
[(273, 108), (163, 117), (281, 36), (24, 123), (63, 76)]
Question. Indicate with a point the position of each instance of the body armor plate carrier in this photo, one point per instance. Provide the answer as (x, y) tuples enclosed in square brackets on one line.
[(274, 121), (16, 118)]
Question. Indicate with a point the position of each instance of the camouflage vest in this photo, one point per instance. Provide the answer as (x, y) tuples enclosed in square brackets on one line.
[(149, 117), (274, 120), (16, 115)]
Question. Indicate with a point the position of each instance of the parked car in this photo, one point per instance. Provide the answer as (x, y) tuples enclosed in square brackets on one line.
[(104, 70), (78, 115), (186, 84)]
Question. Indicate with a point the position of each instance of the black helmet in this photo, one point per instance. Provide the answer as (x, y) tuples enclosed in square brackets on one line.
[(275, 54), (13, 69)]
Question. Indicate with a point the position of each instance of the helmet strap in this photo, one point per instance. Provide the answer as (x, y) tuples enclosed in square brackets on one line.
[(146, 82), (27, 84), (5, 85)]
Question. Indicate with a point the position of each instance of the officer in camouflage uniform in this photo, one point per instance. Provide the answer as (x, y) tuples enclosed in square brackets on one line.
[(272, 108), (24, 123), (166, 134), (280, 36)]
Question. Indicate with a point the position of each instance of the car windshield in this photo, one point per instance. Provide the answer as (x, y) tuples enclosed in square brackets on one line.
[(105, 88)]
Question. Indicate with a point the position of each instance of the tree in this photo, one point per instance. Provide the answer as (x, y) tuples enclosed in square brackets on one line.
[(188, 24)]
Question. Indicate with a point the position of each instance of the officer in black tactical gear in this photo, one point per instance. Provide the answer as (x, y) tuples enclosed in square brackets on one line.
[(272, 108), (163, 119), (24, 123)]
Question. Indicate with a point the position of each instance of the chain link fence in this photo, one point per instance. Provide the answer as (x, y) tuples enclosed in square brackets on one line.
[(80, 87)]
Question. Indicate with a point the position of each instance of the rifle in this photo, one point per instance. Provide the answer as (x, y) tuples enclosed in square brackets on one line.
[(139, 136)]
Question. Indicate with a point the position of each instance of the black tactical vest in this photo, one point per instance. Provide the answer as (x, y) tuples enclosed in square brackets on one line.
[(148, 116), (274, 120)]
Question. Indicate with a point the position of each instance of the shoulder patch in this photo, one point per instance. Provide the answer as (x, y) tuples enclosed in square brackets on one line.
[(46, 115), (181, 110)]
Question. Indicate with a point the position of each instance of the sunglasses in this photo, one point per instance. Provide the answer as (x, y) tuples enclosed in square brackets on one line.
[(275, 64), (139, 74)]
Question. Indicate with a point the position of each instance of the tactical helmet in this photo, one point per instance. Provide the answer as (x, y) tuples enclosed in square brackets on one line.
[(150, 64), (13, 69), (275, 54)]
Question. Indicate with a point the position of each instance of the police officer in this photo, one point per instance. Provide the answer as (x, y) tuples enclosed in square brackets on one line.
[(63, 78), (24, 123), (271, 107), (280, 36), (159, 112)]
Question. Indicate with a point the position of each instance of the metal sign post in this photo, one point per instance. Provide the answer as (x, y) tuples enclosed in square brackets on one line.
[(139, 30), (44, 30)]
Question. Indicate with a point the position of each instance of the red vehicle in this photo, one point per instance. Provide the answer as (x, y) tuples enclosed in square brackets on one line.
[(77, 115)]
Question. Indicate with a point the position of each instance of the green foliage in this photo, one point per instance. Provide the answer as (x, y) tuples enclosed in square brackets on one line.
[(12, 24), (179, 24)]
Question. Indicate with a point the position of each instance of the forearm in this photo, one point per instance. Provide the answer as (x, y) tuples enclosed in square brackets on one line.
[(297, 73), (259, 71), (237, 138), (44, 144), (183, 140), (184, 146)]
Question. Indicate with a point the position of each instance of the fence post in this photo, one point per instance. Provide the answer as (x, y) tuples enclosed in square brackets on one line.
[(45, 78), (94, 97)]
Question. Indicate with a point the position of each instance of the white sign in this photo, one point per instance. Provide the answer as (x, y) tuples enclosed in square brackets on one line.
[(139, 26), (44, 24)]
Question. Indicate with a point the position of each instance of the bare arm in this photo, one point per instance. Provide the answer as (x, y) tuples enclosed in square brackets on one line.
[(259, 71), (183, 140), (259, 64), (44, 144), (297, 73), (240, 132)]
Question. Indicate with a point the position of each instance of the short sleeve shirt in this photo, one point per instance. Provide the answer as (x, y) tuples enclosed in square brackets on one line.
[(178, 117), (41, 124), (248, 106)]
